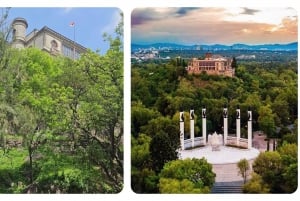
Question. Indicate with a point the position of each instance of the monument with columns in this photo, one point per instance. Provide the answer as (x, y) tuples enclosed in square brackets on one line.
[(222, 150), (227, 140)]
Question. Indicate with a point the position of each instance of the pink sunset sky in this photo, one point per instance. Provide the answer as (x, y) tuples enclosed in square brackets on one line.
[(213, 25)]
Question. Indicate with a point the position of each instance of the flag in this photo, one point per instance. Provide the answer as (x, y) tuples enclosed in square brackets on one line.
[(72, 24)]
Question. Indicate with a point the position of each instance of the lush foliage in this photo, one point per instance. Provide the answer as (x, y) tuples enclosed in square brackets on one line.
[(65, 117), (186, 176), (278, 170), (159, 90), (256, 185), (244, 168)]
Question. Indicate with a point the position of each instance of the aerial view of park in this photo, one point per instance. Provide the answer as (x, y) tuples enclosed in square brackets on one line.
[(214, 100)]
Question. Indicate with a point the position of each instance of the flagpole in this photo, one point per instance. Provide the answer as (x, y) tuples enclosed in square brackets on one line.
[(74, 42), (72, 24)]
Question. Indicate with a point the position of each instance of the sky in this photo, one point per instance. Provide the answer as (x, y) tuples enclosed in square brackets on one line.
[(90, 23), (213, 25)]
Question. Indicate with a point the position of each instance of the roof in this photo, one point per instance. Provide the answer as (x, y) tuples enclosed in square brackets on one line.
[(58, 35), (20, 19)]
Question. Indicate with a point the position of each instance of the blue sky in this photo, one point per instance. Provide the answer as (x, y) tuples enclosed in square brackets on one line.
[(90, 23)]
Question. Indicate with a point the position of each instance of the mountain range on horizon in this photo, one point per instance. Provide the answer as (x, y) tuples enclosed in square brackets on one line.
[(238, 46)]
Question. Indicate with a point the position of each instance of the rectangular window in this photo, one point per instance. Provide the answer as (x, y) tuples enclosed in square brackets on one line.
[(69, 52)]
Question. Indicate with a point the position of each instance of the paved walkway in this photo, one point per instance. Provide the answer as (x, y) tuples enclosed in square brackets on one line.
[(228, 172), (224, 156), (224, 161)]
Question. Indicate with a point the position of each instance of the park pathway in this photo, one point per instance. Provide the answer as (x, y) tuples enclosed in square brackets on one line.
[(227, 187)]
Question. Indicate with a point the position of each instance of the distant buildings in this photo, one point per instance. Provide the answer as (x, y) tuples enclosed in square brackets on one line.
[(212, 65), (45, 39)]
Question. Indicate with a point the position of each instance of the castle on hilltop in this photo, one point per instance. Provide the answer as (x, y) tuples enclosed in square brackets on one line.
[(212, 65), (45, 39)]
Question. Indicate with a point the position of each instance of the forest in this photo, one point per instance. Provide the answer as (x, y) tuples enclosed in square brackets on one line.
[(159, 90), (61, 120)]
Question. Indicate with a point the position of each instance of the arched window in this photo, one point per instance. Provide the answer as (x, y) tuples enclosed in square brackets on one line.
[(54, 46), (14, 34)]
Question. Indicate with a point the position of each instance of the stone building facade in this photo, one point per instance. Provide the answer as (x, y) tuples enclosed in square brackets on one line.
[(212, 65), (45, 39)]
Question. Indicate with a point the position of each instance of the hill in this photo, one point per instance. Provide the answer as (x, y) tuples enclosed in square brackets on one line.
[(239, 46)]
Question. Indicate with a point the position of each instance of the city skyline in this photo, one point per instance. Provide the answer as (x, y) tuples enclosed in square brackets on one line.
[(214, 25)]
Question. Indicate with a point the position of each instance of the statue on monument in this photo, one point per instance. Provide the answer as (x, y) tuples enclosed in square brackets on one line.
[(237, 114), (192, 115), (249, 116), (203, 114), (182, 117), (215, 141), (225, 113)]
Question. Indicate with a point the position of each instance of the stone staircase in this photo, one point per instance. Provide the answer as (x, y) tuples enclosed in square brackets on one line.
[(227, 187)]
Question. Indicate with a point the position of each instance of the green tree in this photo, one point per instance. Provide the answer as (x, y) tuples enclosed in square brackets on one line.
[(140, 154), (144, 180), (234, 63), (186, 176), (244, 168), (140, 116), (289, 158), (162, 150), (281, 110), (268, 166), (174, 186), (256, 185), (67, 116), (165, 125), (4, 36), (279, 169), (266, 120)]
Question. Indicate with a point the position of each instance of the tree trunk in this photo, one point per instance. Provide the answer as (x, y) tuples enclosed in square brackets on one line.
[(30, 151)]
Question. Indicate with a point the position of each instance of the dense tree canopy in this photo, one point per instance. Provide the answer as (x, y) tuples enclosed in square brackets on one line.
[(61, 121), (186, 176), (160, 89), (278, 169)]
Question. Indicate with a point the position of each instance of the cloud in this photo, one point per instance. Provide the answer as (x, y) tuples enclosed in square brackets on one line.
[(144, 15), (185, 10), (213, 25), (248, 11), (141, 16)]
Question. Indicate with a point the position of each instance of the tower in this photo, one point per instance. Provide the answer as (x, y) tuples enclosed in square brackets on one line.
[(19, 27)]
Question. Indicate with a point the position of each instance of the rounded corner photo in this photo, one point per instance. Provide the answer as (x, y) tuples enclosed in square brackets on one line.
[(214, 100), (61, 102)]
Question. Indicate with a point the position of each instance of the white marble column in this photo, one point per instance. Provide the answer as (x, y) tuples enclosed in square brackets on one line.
[(225, 116), (181, 122), (238, 126), (249, 129), (204, 125), (192, 127)]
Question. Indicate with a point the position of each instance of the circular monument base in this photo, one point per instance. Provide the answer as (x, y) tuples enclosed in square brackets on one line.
[(224, 156), (224, 161)]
